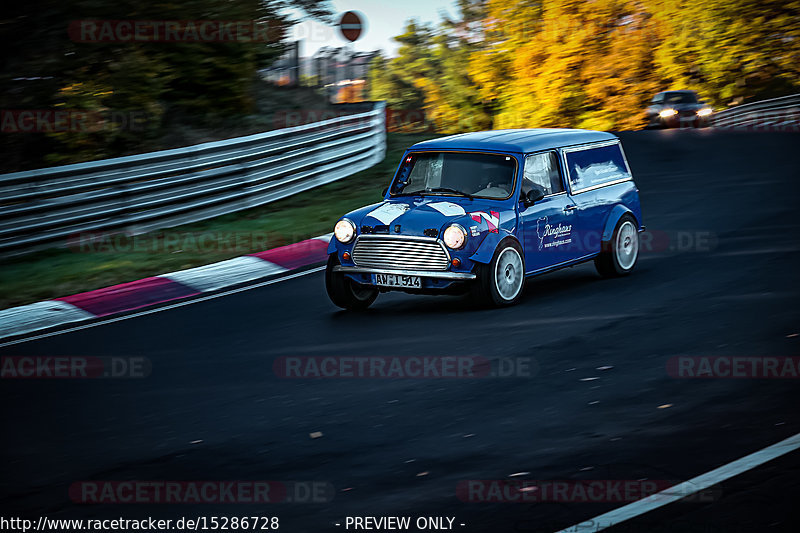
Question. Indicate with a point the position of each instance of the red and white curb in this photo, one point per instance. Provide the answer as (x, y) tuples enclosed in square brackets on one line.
[(225, 273), (156, 290)]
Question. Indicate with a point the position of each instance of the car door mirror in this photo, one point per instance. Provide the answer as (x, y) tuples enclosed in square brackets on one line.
[(384, 191), (533, 196)]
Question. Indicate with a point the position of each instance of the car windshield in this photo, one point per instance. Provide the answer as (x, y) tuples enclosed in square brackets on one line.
[(456, 174), (680, 98)]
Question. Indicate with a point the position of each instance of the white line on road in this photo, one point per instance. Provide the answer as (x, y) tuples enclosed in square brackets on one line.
[(687, 488), (165, 308)]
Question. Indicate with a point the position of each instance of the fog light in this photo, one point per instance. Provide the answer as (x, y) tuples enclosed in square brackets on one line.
[(346, 256), (456, 262)]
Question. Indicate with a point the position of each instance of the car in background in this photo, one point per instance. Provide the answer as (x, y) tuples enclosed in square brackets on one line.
[(671, 109), (483, 211)]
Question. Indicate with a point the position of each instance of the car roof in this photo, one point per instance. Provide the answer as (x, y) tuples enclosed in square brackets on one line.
[(521, 140)]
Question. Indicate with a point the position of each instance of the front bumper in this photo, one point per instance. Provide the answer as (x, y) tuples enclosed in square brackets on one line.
[(685, 120), (434, 274)]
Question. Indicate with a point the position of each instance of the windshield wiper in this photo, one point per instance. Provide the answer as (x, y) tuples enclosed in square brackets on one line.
[(448, 189)]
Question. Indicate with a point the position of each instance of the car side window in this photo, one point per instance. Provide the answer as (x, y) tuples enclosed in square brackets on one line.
[(541, 171), (595, 166)]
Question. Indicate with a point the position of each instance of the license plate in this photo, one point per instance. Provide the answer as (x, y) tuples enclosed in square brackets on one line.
[(396, 280)]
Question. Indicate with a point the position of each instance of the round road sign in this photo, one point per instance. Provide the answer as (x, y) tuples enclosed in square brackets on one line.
[(351, 26)]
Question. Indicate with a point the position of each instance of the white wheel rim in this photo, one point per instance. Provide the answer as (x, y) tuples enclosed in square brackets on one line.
[(508, 274), (627, 245)]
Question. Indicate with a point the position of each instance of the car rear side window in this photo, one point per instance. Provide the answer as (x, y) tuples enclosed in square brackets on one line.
[(541, 171), (591, 167)]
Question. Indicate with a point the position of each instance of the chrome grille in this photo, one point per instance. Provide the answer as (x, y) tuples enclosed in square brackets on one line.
[(399, 253)]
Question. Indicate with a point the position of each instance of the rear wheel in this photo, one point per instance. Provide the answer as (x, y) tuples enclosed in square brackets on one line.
[(344, 292), (500, 282), (619, 254)]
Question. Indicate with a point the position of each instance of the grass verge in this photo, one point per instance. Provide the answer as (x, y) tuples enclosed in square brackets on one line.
[(91, 265)]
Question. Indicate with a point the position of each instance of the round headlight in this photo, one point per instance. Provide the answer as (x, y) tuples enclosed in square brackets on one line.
[(344, 231), (704, 112), (666, 113), (455, 236)]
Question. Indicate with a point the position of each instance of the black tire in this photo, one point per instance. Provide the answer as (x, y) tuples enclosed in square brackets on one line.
[(508, 291), (344, 292), (614, 261)]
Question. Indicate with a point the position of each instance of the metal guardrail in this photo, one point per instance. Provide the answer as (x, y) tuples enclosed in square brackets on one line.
[(777, 113), (43, 208)]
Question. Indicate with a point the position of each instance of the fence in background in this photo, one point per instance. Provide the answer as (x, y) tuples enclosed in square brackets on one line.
[(43, 208), (778, 114)]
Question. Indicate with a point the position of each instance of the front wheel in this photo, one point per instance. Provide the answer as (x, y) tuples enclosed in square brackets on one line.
[(620, 254), (500, 282), (344, 292)]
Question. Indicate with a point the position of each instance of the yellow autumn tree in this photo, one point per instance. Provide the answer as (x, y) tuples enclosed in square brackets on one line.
[(591, 63), (569, 63)]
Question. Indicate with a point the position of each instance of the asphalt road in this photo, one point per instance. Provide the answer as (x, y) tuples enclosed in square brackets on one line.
[(720, 279)]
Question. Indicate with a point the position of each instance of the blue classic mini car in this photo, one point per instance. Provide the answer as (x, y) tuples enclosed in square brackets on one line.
[(482, 211)]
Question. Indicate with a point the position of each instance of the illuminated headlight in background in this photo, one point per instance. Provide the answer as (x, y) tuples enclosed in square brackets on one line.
[(344, 231), (704, 112), (666, 113), (455, 236)]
